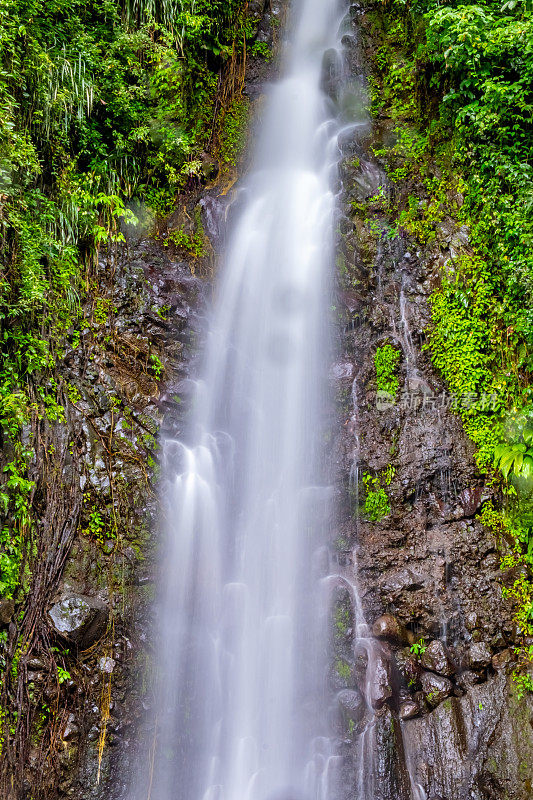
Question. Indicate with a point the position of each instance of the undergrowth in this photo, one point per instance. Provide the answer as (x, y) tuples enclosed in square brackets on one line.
[(387, 359)]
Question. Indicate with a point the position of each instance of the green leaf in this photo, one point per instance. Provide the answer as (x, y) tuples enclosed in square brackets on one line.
[(517, 464), (499, 451), (506, 463), (527, 467), (528, 435)]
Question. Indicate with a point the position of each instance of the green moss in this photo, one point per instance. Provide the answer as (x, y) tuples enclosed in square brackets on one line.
[(261, 50), (343, 669), (234, 130), (376, 505), (342, 621), (386, 361)]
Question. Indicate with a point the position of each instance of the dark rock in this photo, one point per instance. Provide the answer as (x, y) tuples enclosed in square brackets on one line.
[(472, 621), (409, 709), (379, 688), (213, 216), (486, 723), (470, 500), (71, 730), (79, 618), (479, 656), (352, 707), (7, 609), (389, 778), (403, 579), (352, 301), (501, 660), (35, 663), (389, 627), (332, 73), (436, 658), (106, 664), (467, 679), (409, 667), (35, 677), (436, 688), (341, 370)]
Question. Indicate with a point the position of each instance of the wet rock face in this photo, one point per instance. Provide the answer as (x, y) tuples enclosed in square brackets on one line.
[(478, 746), (79, 619), (389, 627), (479, 656), (380, 684), (352, 708), (436, 688), (409, 709), (427, 570), (436, 658)]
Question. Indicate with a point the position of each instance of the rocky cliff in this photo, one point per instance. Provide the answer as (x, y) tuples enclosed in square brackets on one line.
[(450, 723)]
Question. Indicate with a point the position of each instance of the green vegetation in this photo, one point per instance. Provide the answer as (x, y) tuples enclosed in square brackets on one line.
[(377, 504), (419, 648), (233, 134), (342, 621), (386, 360), (62, 675), (106, 105), (343, 669), (523, 684), (456, 83)]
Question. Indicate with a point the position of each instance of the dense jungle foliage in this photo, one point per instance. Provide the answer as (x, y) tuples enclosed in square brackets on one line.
[(106, 106), (457, 81)]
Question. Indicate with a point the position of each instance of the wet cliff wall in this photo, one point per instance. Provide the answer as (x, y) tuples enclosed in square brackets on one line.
[(453, 719)]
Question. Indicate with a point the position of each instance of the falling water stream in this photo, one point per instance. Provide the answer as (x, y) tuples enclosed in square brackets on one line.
[(241, 708)]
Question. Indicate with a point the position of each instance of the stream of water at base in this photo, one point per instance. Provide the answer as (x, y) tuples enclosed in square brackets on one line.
[(241, 707)]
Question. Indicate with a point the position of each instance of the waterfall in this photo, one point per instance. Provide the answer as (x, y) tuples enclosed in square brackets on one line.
[(241, 700)]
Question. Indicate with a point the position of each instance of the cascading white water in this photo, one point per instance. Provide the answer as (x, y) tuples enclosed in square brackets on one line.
[(241, 701)]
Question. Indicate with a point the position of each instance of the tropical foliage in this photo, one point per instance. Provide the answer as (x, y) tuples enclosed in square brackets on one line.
[(105, 109), (457, 82)]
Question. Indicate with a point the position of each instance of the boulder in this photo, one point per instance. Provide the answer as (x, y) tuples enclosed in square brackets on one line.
[(467, 679), (479, 656), (389, 627), (471, 500), (106, 664), (409, 709), (502, 659), (331, 77), (71, 730), (352, 707), (436, 688), (436, 658), (402, 579), (79, 618), (379, 687)]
